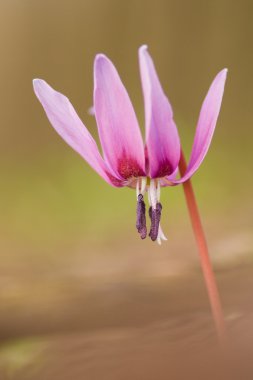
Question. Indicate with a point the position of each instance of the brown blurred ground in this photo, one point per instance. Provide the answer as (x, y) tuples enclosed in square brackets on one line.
[(144, 329), (80, 296)]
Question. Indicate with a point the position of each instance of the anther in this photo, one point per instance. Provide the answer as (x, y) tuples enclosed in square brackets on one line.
[(155, 216), (141, 217)]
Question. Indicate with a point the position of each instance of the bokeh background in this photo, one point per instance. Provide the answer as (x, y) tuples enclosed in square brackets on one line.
[(81, 296)]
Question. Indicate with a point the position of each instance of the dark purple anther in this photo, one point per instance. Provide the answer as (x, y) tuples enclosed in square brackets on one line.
[(141, 217), (155, 216)]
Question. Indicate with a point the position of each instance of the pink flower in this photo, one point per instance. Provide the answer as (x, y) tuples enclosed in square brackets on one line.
[(126, 161)]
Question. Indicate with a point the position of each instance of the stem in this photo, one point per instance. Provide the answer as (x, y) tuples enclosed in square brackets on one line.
[(206, 265)]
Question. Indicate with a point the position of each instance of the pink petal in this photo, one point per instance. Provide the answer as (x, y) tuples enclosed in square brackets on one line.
[(162, 138), (206, 124), (67, 123), (117, 124)]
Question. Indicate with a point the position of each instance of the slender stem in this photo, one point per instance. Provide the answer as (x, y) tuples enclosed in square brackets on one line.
[(208, 273)]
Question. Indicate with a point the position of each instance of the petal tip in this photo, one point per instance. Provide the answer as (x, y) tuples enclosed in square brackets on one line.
[(224, 71), (100, 58), (40, 87), (101, 62), (143, 47), (221, 77), (99, 55), (36, 82)]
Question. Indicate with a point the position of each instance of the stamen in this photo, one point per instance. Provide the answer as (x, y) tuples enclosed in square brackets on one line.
[(155, 216), (143, 184), (154, 188), (158, 191), (153, 194), (141, 217), (149, 199), (137, 188)]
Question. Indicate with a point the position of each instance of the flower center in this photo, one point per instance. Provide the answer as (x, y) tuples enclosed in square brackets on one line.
[(153, 188)]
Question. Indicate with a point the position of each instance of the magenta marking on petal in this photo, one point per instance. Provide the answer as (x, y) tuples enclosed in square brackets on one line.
[(165, 168), (115, 181), (147, 166), (129, 167)]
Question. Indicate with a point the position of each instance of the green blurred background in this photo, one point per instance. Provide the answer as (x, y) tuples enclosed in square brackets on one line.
[(64, 232)]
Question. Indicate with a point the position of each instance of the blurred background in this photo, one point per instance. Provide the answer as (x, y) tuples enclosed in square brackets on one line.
[(81, 297)]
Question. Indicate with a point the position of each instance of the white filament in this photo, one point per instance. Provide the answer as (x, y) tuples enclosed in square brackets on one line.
[(141, 186), (158, 191), (137, 188), (152, 194)]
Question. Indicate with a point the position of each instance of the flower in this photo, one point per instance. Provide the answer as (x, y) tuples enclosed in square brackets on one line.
[(126, 161)]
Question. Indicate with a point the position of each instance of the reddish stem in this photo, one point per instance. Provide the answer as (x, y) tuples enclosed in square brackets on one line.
[(208, 273)]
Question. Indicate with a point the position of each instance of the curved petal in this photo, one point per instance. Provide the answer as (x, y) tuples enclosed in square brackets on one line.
[(67, 123), (206, 124), (162, 140), (169, 179), (117, 124)]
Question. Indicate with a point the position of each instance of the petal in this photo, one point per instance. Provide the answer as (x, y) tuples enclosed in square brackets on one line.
[(67, 123), (162, 140), (117, 124), (206, 124)]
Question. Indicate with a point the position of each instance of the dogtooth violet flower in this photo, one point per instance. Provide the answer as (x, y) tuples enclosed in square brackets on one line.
[(126, 160)]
